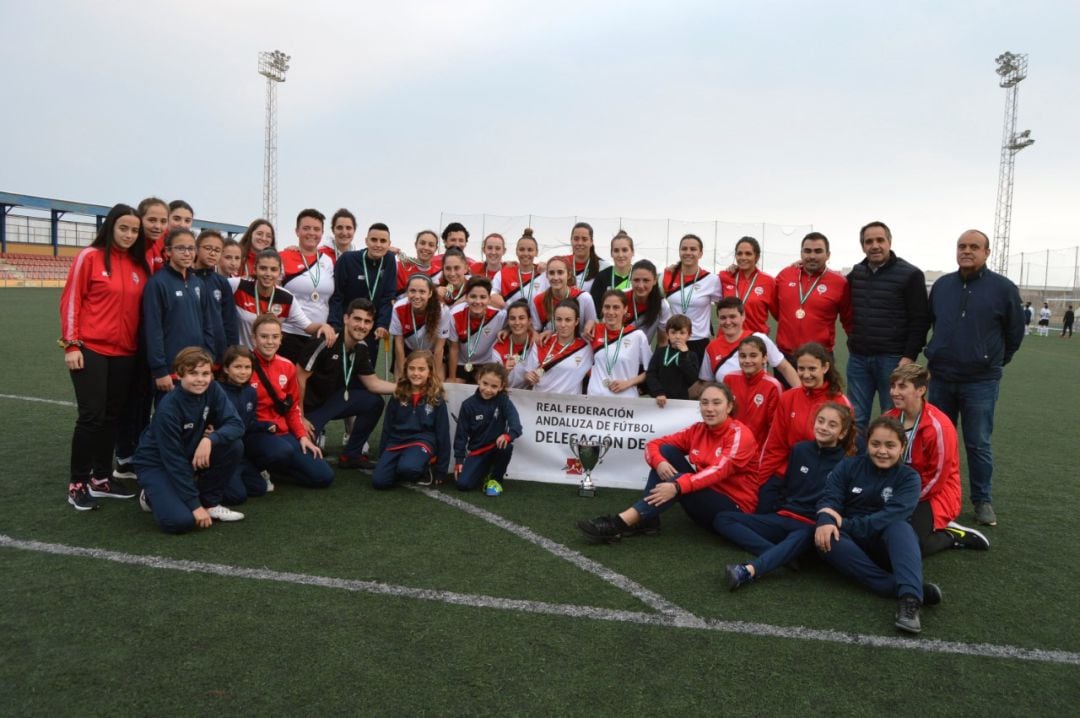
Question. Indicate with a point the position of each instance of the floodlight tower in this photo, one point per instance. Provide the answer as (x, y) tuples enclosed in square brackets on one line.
[(1012, 69), (272, 66)]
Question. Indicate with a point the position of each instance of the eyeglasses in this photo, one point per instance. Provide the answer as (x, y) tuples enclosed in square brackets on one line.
[(187, 248), (213, 250)]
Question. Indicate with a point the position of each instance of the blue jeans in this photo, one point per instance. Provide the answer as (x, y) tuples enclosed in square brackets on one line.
[(409, 464), (701, 506), (972, 403), (868, 375), (475, 468)]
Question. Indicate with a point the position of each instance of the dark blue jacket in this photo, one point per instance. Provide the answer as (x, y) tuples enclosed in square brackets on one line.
[(481, 421), (178, 312), (406, 424), (867, 497), (978, 326), (350, 283), (800, 488), (174, 433), (222, 294), (245, 401)]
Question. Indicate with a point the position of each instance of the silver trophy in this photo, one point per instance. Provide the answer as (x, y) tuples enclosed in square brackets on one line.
[(589, 453)]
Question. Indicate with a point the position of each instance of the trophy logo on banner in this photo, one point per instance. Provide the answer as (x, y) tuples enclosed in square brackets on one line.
[(588, 453)]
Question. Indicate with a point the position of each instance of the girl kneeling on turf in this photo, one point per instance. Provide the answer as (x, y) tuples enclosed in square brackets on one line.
[(487, 424), (416, 427), (779, 538), (284, 447), (182, 469), (708, 468), (864, 512)]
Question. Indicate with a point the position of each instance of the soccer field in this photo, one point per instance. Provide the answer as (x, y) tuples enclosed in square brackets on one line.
[(431, 602)]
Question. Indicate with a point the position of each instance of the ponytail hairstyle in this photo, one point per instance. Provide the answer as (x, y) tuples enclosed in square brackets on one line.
[(547, 299), (832, 376), (621, 234), (654, 302), (847, 424), (450, 253), (593, 265), (570, 304), (104, 238), (433, 393), (677, 267), (527, 236), (433, 308)]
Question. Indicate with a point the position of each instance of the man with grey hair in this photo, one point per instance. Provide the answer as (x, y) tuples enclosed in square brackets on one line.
[(978, 322)]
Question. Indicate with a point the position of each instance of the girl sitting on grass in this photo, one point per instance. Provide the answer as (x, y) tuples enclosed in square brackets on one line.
[(864, 512), (416, 427), (779, 538), (487, 424)]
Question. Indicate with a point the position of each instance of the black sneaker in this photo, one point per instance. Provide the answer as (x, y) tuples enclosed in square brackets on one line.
[(125, 470), (108, 489), (79, 497), (964, 537), (644, 527), (931, 594), (603, 529), (737, 574), (907, 614), (362, 462)]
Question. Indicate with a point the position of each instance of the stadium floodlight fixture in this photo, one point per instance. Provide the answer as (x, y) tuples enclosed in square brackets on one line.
[(273, 65)]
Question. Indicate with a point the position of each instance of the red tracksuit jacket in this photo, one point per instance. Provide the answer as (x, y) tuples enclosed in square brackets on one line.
[(935, 454), (794, 422), (101, 309)]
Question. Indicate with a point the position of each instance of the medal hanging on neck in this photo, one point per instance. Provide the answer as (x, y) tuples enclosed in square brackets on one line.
[(554, 343), (471, 341), (269, 302), (911, 435), (314, 272), (524, 349), (347, 365), (684, 298), (673, 359), (527, 294), (373, 287), (609, 362), (452, 295), (749, 289), (800, 312)]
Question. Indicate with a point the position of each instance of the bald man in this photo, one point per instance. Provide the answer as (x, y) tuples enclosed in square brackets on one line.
[(978, 322)]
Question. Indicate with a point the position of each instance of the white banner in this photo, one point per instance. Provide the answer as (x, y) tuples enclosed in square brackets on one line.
[(549, 420)]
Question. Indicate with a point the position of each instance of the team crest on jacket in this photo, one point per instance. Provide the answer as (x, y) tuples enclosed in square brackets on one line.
[(135, 277), (886, 493), (275, 310), (759, 290), (759, 399), (282, 381), (804, 469), (205, 412), (198, 292), (217, 295), (248, 406), (428, 408), (821, 289)]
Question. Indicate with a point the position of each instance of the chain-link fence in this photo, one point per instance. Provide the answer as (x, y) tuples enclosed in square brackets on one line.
[(654, 239), (1048, 275)]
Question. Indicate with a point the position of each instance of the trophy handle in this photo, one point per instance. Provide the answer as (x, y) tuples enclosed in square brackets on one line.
[(605, 446), (574, 446)]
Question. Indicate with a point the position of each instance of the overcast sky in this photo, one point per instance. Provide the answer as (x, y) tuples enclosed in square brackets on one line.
[(824, 114)]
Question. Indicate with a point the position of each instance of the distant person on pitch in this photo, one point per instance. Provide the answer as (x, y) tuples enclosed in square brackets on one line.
[(1067, 322), (1044, 320)]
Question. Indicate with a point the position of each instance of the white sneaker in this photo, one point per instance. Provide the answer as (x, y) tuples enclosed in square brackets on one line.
[(266, 478), (224, 513), (143, 503)]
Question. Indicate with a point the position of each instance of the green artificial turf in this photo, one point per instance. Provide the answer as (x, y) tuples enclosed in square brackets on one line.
[(83, 636)]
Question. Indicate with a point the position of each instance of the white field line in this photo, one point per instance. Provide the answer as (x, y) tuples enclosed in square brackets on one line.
[(649, 598), (16, 397), (979, 650)]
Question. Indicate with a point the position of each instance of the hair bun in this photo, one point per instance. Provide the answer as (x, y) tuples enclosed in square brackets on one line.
[(527, 233)]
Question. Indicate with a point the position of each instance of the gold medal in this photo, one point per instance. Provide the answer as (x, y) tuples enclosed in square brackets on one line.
[(314, 296), (800, 313), (468, 367)]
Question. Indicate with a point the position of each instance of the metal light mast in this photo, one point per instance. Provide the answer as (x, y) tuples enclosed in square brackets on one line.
[(1012, 69), (272, 66)]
